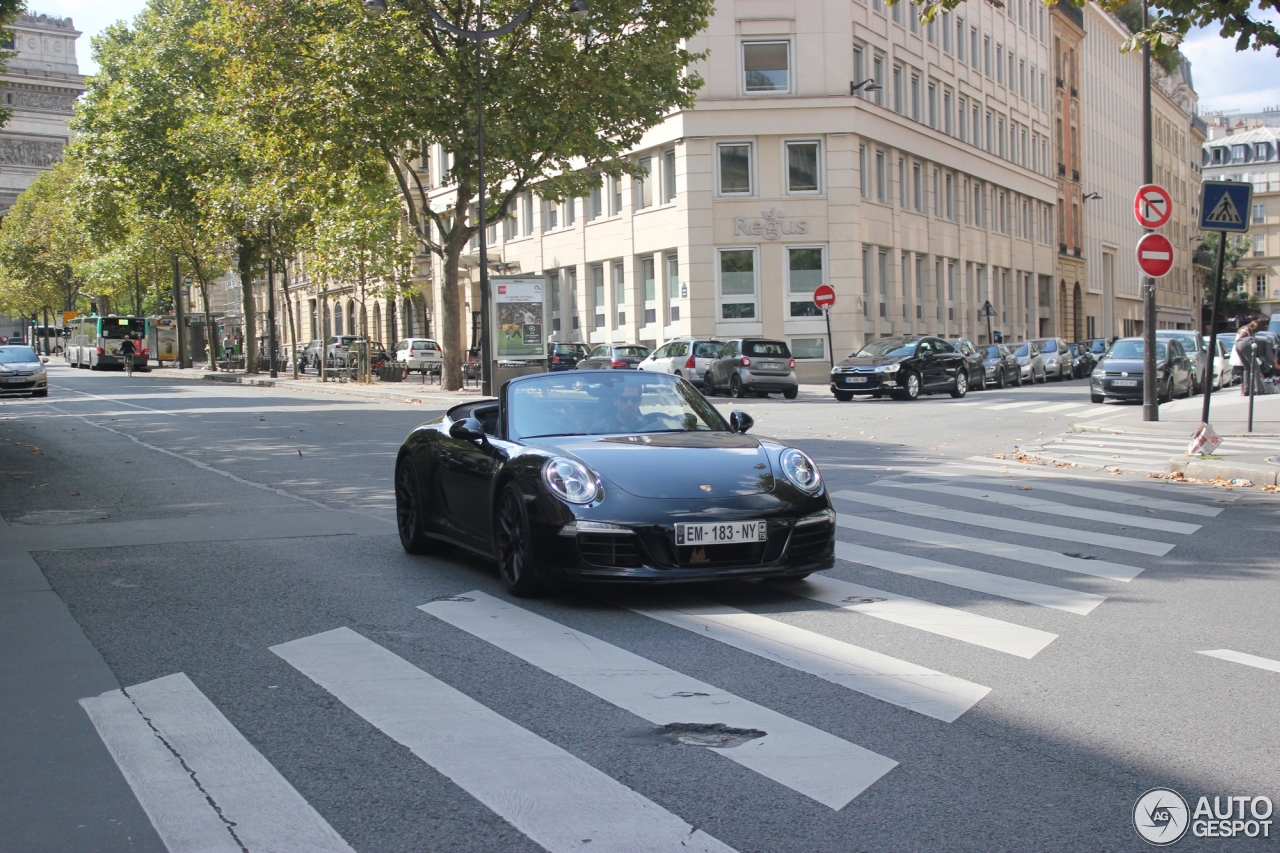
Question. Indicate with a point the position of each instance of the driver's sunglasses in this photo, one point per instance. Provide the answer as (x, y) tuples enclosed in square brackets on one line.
[(629, 399)]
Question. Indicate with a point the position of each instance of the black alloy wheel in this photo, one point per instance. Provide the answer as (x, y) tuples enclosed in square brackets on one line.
[(961, 385), (514, 545), (409, 509), (735, 387)]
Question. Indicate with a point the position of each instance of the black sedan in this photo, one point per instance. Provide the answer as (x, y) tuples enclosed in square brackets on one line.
[(975, 363), (903, 367), (1001, 366), (565, 356), (1119, 374), (611, 476)]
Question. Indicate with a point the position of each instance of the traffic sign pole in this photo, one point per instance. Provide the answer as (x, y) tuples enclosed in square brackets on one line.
[(1224, 206), (824, 296), (1211, 365)]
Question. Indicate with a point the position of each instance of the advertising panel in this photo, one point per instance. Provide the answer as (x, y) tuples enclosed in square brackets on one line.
[(518, 317)]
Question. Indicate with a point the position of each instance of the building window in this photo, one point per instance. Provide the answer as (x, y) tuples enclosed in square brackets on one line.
[(766, 66), (597, 294), (809, 349), (863, 178), (915, 97), (917, 185), (526, 214), (615, 196), (570, 213), (974, 56), (550, 215), (737, 273), (949, 183), (1238, 153), (877, 74), (1259, 245), (960, 39), (882, 177), (882, 276), (903, 189), (803, 167), (734, 163), (643, 184), (933, 105), (673, 284), (1260, 151), (946, 111), (668, 175), (946, 32), (595, 202), (649, 285), (620, 292), (986, 55), (897, 89), (553, 285), (1260, 285), (805, 271), (1259, 213), (1000, 63)]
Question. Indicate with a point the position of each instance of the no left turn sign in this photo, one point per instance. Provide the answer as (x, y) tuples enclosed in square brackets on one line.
[(1152, 206)]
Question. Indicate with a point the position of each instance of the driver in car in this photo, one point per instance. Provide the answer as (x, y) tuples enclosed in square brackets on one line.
[(625, 416)]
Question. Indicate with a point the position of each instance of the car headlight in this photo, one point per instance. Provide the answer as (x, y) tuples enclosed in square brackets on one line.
[(888, 368), (800, 470), (1099, 373), (571, 481)]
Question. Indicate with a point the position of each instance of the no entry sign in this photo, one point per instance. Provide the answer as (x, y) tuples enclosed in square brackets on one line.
[(824, 296), (1152, 206), (1155, 255)]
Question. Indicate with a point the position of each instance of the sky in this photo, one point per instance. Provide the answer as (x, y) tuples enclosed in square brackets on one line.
[(1224, 79)]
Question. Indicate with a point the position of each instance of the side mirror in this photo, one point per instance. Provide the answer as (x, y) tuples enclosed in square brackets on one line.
[(740, 422), (44, 359), (467, 429)]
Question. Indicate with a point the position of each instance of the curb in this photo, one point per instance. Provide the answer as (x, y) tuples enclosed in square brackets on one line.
[(399, 395), (1208, 470)]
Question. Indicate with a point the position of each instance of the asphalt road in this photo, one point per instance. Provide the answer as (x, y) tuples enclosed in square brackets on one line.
[(1005, 658)]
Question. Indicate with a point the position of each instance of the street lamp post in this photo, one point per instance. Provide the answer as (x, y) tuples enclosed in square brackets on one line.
[(578, 9)]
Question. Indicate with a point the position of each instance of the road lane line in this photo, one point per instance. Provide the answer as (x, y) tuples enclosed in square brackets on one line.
[(1095, 448), (1031, 528), (812, 762), (1015, 589), (907, 685), (1006, 550), (1054, 508), (259, 809), (949, 622), (1026, 469), (1241, 657), (176, 807), (1107, 495), (543, 791), (1057, 407), (1003, 406)]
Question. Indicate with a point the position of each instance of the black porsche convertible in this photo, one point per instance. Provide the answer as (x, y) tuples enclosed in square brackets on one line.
[(611, 476)]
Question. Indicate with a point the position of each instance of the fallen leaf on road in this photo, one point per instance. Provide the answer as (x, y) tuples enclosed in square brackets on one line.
[(299, 454)]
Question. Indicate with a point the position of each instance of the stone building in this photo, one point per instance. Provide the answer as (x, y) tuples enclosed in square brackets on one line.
[(1075, 318), (1177, 137), (40, 83)]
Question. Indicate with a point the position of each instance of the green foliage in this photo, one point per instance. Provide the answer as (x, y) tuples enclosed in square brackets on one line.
[(41, 247), (1237, 294)]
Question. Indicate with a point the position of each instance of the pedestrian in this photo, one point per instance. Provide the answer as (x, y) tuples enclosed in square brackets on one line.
[(1254, 356), (126, 352)]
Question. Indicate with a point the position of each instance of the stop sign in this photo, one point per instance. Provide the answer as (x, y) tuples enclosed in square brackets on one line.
[(824, 296), (1155, 255)]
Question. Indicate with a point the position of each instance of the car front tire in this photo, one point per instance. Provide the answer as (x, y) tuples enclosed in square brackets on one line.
[(791, 393), (843, 396), (735, 387), (910, 388), (410, 512), (514, 544), (1096, 398), (961, 385)]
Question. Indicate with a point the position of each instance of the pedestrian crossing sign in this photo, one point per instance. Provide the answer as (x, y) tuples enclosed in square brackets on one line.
[(1224, 206)]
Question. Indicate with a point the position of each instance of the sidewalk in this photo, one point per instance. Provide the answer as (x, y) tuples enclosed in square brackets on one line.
[(1228, 414), (412, 390)]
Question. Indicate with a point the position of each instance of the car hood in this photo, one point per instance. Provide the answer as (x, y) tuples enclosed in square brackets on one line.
[(1127, 365), (871, 360), (673, 464)]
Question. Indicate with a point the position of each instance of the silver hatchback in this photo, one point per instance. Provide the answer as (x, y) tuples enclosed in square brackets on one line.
[(686, 357), (756, 366)]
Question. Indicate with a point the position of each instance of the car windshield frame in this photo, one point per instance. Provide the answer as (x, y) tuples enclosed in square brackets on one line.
[(580, 404), (891, 348), (12, 354), (1134, 351), (1187, 340)]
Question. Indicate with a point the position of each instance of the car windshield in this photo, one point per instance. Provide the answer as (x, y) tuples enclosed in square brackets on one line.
[(557, 404), (425, 345), (1133, 350), (775, 348), (707, 349), (1099, 346), (118, 328), (888, 347), (1048, 346), (632, 352), (17, 355), (993, 352), (571, 349), (1188, 342), (1023, 351)]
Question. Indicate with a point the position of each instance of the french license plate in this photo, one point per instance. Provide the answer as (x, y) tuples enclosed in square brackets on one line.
[(770, 365), (1125, 383), (723, 533), (856, 380), (16, 379)]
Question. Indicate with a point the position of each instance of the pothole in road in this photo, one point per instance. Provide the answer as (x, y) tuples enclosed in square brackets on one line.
[(716, 735)]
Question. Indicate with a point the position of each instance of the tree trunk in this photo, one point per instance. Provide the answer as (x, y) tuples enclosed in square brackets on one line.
[(210, 333), (452, 338), (137, 292), (244, 263), (288, 305)]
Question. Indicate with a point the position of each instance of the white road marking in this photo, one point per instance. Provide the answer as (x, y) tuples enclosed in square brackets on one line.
[(1095, 448), (1015, 589), (948, 622), (807, 760), (1021, 469), (195, 758), (1003, 406), (1103, 415), (543, 791), (1057, 407), (907, 685), (1108, 495), (1241, 657), (1026, 528), (1054, 508), (1006, 550)]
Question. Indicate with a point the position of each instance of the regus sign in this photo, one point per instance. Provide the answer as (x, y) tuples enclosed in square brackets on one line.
[(771, 226)]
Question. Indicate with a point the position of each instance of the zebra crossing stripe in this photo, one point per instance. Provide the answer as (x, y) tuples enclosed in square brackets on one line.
[(1055, 508), (1242, 658), (1019, 469), (1026, 528), (203, 786), (907, 685), (812, 762), (1015, 589), (948, 622), (1057, 407), (554, 798), (1107, 495), (1003, 406), (1095, 448), (1007, 550)]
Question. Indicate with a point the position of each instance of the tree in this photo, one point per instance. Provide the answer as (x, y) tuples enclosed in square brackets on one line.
[(42, 246), (564, 100), (1238, 299)]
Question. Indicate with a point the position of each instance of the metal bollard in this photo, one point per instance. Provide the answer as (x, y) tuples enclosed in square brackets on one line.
[(1253, 375)]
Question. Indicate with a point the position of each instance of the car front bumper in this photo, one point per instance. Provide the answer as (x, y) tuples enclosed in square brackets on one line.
[(23, 384), (864, 383)]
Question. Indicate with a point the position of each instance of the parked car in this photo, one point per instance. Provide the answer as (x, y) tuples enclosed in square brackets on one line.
[(752, 366), (310, 355), (903, 367), (1119, 375), (1196, 347), (975, 363), (1056, 356), (22, 371), (1083, 361), (1000, 367), (613, 357), (1097, 347), (1030, 363), (340, 348), (687, 357), (420, 355), (565, 356), (686, 502), (1223, 375)]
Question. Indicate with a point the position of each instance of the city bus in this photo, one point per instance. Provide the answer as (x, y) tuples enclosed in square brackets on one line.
[(94, 342)]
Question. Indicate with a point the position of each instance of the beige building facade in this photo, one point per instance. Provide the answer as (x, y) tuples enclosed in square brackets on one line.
[(1076, 315), (1254, 156), (1177, 139)]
